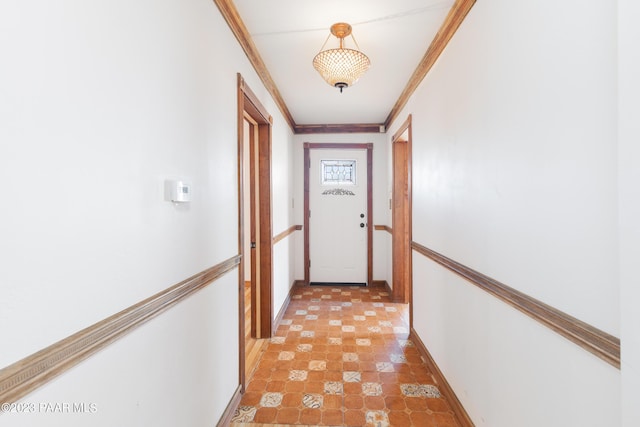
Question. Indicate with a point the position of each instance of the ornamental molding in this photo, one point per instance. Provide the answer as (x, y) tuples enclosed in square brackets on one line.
[(338, 192)]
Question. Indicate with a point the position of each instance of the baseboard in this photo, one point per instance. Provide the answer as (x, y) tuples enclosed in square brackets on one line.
[(338, 284), (443, 385), (381, 284), (230, 410), (283, 308)]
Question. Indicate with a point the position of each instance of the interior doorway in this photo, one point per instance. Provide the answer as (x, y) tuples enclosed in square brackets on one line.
[(401, 215), (254, 228)]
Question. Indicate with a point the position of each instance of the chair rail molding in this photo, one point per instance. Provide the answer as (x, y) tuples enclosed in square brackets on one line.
[(383, 228), (590, 338), (26, 375), (286, 233)]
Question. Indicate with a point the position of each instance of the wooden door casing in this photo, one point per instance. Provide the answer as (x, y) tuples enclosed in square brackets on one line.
[(369, 147), (250, 109), (337, 224), (401, 215)]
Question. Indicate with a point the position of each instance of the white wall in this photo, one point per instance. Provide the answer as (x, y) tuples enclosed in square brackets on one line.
[(629, 204), (381, 243), (282, 176), (515, 175), (100, 102)]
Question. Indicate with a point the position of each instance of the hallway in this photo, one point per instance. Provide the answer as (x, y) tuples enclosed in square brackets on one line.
[(341, 357)]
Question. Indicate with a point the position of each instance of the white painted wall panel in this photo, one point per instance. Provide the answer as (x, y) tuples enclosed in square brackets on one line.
[(515, 155), (140, 380), (515, 175), (507, 369), (282, 186), (100, 103), (282, 272), (629, 203)]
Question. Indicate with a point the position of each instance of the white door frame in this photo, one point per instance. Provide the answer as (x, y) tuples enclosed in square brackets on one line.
[(307, 163)]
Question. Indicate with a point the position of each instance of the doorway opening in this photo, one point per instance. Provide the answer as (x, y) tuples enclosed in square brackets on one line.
[(401, 216), (338, 191), (254, 228)]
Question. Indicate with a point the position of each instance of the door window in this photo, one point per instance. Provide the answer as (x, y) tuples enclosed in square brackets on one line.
[(338, 172)]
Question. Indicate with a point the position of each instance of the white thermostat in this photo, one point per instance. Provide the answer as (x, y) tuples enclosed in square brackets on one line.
[(177, 191)]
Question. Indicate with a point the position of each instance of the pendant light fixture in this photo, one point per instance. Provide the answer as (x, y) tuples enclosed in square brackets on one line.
[(341, 67)]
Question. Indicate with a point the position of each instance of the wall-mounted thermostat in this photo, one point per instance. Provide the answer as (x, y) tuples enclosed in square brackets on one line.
[(177, 191)]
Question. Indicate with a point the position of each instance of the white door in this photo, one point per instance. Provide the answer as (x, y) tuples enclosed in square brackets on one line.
[(338, 216)]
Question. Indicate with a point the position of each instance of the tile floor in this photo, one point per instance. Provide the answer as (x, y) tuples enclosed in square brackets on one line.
[(341, 357)]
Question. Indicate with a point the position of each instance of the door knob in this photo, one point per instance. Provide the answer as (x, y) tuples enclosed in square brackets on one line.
[(362, 225), (361, 215)]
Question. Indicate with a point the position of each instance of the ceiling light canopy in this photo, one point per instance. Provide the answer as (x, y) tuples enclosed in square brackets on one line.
[(341, 67)]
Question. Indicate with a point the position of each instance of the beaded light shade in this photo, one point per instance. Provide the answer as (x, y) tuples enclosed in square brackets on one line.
[(341, 67)]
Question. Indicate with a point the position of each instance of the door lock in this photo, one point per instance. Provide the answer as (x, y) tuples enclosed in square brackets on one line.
[(362, 225)]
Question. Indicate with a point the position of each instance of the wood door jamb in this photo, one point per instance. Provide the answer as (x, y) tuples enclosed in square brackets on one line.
[(251, 109)]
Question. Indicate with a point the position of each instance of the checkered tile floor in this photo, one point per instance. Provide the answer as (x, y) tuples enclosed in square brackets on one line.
[(341, 357)]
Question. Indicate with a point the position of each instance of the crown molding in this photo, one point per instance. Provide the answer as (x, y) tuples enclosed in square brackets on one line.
[(456, 15), (340, 128), (231, 15)]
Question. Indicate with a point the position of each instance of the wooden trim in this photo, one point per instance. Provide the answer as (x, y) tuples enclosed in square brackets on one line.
[(285, 305), (369, 214), (286, 233), (265, 216), (382, 284), (401, 216), (443, 385), (231, 15), (257, 113), (406, 126), (241, 230), (340, 128), (306, 165), (456, 15), (26, 375), (590, 338), (230, 410), (383, 228), (307, 146), (337, 145), (281, 312), (261, 258)]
